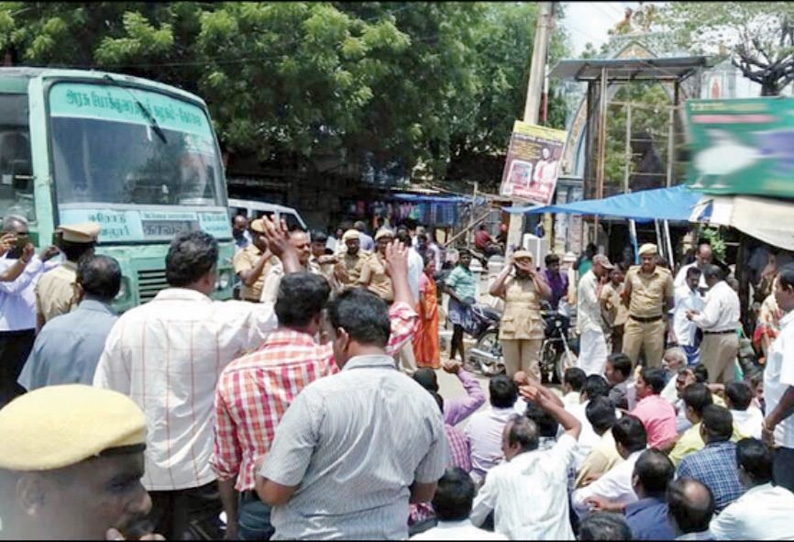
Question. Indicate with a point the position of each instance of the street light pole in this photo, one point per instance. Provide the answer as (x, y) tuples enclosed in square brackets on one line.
[(537, 72)]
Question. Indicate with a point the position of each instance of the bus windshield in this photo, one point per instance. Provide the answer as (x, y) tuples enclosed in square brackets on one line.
[(114, 165)]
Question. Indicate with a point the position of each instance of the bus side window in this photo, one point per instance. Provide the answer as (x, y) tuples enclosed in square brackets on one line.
[(16, 172)]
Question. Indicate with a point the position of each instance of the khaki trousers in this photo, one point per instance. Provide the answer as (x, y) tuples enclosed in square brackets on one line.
[(718, 354), (522, 355), (406, 358), (648, 337)]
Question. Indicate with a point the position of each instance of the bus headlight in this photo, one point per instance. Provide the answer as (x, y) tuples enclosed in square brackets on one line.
[(224, 279)]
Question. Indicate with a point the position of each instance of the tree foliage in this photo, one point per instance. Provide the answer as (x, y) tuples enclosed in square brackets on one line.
[(401, 83), (759, 36)]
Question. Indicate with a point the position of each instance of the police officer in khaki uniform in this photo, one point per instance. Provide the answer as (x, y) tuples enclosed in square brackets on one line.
[(522, 329), (348, 268), (55, 292), (649, 294), (251, 263), (373, 275)]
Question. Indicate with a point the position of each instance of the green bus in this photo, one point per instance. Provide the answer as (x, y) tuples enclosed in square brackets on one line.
[(139, 157)]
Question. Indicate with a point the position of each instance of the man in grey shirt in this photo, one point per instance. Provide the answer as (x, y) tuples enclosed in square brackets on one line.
[(69, 346), (356, 447)]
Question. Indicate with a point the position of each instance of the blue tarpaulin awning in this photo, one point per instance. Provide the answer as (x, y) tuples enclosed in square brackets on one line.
[(674, 203)]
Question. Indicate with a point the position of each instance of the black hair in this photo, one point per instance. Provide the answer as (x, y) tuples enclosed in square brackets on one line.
[(319, 236), (454, 495), (363, 315), (655, 471), (692, 515), (596, 386), (692, 272), (654, 379), (718, 423), (75, 251), (439, 400), (604, 526), (697, 396), (100, 277), (756, 458), (190, 256), (600, 412), (426, 377), (711, 272), (301, 297), (786, 276), (621, 363), (524, 432), (630, 432), (739, 395), (404, 237), (701, 373), (575, 378), (545, 422), (551, 259), (503, 392)]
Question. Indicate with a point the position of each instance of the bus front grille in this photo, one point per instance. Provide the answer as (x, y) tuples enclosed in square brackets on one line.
[(150, 281)]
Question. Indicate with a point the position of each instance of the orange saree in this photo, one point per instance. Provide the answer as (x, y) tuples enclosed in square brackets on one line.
[(425, 342)]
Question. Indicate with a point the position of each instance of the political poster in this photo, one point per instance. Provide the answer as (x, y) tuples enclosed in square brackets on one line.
[(533, 163)]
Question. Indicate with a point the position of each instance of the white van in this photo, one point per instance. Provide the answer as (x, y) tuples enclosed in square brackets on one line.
[(255, 209)]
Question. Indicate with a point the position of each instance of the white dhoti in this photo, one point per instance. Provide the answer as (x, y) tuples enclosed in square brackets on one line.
[(592, 352)]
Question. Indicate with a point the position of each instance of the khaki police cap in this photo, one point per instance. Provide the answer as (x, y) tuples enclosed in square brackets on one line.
[(385, 232), (257, 225), (351, 234), (59, 426), (648, 248), (87, 232), (518, 254)]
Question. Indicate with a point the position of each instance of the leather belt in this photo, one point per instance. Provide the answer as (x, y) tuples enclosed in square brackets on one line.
[(723, 332), (645, 320)]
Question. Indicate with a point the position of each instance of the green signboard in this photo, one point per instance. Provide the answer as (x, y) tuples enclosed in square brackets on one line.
[(742, 146)]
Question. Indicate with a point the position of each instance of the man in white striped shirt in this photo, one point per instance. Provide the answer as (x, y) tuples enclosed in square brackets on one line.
[(167, 356), (353, 448)]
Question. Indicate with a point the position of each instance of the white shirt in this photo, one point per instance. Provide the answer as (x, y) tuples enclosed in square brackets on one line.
[(587, 438), (588, 308), (669, 393), (779, 375), (684, 329), (529, 495), (416, 266), (762, 513), (615, 485), (167, 355), (457, 530), (571, 399), (680, 278), (749, 421), (18, 297), (721, 312)]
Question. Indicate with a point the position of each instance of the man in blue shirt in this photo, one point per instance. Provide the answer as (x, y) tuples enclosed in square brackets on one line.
[(647, 517), (68, 347), (367, 242), (715, 465)]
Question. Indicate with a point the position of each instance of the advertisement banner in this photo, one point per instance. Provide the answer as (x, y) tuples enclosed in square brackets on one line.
[(743, 146), (533, 163)]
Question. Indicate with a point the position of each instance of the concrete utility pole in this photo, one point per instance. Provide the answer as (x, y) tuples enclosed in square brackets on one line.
[(537, 72)]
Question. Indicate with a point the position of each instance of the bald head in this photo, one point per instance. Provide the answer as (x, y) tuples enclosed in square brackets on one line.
[(690, 506), (240, 222), (15, 224), (704, 255)]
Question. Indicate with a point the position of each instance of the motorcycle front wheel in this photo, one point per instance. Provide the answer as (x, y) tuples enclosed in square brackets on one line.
[(488, 344)]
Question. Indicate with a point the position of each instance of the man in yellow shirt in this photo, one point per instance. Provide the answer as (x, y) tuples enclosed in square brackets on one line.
[(696, 397)]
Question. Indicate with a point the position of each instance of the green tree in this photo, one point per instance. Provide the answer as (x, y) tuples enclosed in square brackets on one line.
[(759, 36)]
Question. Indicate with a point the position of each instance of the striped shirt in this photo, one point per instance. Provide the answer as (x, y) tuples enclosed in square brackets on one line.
[(254, 392), (167, 356), (354, 442)]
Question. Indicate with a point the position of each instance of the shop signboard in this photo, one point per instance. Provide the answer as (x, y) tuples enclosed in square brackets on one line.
[(533, 163)]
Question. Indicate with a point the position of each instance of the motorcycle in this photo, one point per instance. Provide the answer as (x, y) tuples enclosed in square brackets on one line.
[(556, 353)]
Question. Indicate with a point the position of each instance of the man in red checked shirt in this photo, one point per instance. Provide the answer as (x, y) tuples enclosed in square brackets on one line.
[(254, 391)]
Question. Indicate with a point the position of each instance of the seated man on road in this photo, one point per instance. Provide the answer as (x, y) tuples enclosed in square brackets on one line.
[(73, 468), (485, 428), (647, 517), (458, 409), (764, 511), (604, 526), (572, 383), (604, 455), (453, 502), (656, 414), (528, 492), (616, 484), (747, 418), (690, 507), (618, 372)]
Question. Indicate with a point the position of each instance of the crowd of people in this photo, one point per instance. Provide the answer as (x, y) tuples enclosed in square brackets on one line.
[(310, 406)]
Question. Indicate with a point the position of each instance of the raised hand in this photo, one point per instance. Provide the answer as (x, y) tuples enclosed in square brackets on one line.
[(396, 260), (7, 242), (277, 236)]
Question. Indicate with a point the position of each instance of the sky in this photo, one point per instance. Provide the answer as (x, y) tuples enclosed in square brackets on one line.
[(590, 21)]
